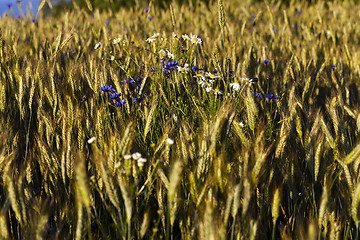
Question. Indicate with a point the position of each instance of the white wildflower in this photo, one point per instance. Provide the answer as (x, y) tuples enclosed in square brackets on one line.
[(208, 89), (91, 140), (141, 162), (212, 75), (150, 39), (217, 91), (195, 39), (97, 45), (185, 37), (235, 86), (170, 141), (117, 40), (136, 155)]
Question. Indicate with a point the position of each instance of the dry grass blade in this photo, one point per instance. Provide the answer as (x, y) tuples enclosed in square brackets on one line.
[(150, 118), (275, 205), (323, 206), (79, 225), (251, 110), (260, 161), (145, 224), (353, 155), (317, 160), (240, 133), (41, 5), (355, 205), (4, 233), (247, 196), (127, 200), (83, 195), (89, 5), (283, 137), (328, 135), (347, 175), (163, 178)]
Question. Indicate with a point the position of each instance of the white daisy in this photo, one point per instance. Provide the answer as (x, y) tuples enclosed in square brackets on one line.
[(235, 86), (127, 156), (195, 39), (185, 37), (91, 140), (217, 91), (117, 40), (141, 162), (208, 89), (183, 69), (212, 75), (199, 75), (150, 39), (203, 83), (170, 55), (97, 45), (155, 35), (170, 141), (136, 155)]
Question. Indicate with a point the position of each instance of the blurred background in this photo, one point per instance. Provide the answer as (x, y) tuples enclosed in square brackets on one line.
[(25, 7), (22, 8)]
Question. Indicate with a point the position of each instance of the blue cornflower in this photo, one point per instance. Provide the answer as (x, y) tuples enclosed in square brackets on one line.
[(72, 52), (194, 68), (138, 87), (152, 69), (333, 67), (266, 62), (275, 30), (135, 99), (18, 16), (138, 79), (33, 20), (64, 54), (257, 95), (168, 67), (254, 16), (120, 103), (298, 11), (114, 95), (294, 27), (271, 96), (150, 18), (107, 21), (108, 89), (147, 92), (315, 73), (147, 9), (26, 39), (129, 81), (214, 71), (9, 5)]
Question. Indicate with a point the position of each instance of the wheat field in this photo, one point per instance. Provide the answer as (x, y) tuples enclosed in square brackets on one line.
[(232, 120)]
